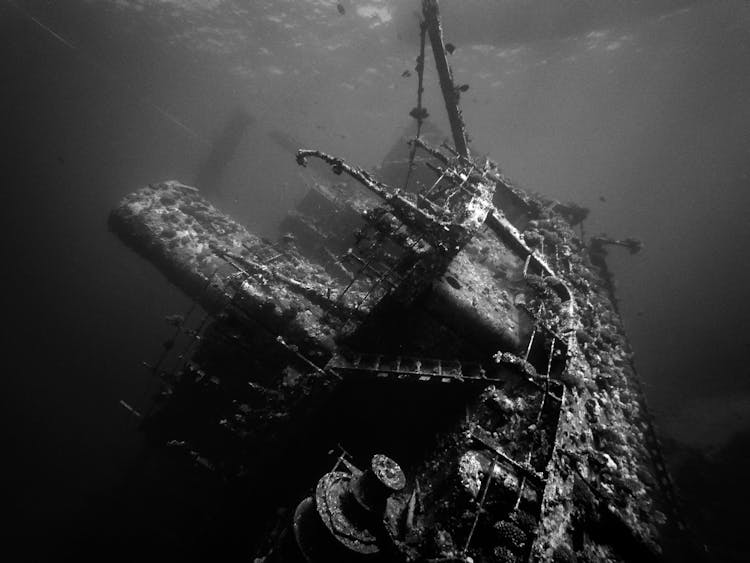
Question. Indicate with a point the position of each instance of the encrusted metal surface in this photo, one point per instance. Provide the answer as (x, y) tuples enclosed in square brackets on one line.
[(334, 503)]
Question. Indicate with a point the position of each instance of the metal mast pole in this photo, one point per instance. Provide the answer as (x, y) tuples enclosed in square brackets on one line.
[(431, 14)]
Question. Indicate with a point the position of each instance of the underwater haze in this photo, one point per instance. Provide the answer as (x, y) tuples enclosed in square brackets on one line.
[(636, 110)]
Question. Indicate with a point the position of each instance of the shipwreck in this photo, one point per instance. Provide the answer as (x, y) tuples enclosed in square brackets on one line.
[(430, 368)]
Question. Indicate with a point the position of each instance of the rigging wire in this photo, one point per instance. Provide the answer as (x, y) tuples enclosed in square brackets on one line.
[(142, 99)]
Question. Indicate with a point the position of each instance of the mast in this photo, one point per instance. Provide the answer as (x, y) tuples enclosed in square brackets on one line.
[(431, 13)]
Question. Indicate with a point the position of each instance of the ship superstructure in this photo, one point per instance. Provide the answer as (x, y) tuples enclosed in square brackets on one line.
[(453, 342)]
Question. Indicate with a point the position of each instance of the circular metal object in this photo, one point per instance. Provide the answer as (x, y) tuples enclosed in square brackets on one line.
[(372, 488), (339, 514), (388, 472)]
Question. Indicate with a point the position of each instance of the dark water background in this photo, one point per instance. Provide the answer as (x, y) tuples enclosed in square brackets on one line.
[(637, 110)]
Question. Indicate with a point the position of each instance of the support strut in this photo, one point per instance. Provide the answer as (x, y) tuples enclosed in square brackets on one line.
[(431, 13)]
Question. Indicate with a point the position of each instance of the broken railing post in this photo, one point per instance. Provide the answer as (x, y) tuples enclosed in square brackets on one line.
[(431, 14)]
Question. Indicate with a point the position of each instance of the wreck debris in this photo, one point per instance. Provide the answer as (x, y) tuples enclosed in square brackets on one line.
[(416, 369), (345, 517), (469, 308)]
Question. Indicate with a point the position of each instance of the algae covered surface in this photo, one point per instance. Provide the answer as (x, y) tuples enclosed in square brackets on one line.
[(519, 470)]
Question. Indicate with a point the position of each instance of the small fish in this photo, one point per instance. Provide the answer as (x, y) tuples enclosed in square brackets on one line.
[(602, 198), (450, 47), (341, 9), (463, 88), (406, 73)]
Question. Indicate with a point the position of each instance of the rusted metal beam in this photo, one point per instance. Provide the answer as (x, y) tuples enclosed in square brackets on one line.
[(440, 233), (431, 13)]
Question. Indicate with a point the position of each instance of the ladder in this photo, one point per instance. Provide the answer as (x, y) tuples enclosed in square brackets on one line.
[(421, 370)]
